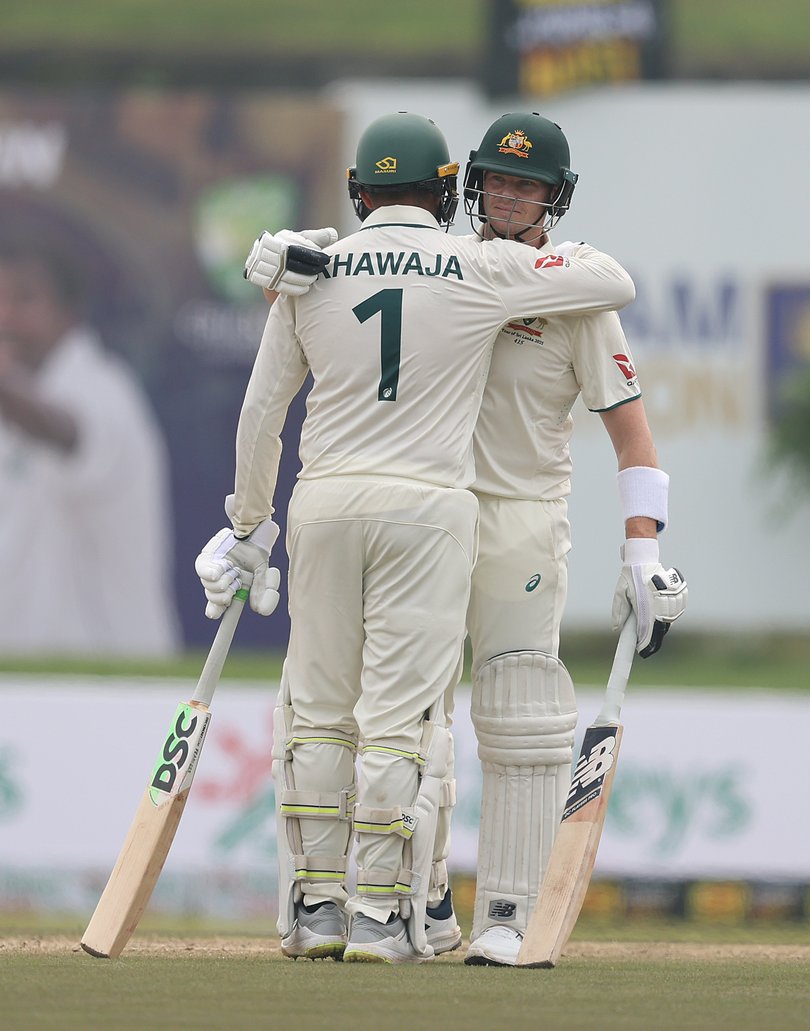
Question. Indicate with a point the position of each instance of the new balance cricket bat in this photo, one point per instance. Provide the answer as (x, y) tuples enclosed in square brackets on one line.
[(565, 883), (150, 837)]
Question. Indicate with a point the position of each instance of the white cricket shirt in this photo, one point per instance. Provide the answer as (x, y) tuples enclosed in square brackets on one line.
[(539, 367), (398, 334)]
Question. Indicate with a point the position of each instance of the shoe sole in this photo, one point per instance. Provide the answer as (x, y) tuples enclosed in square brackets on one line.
[(326, 950), (484, 961), (356, 955), (440, 946), (365, 957)]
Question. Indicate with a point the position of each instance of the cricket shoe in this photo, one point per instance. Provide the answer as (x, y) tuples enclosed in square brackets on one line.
[(373, 942), (319, 932), (495, 947), (441, 926)]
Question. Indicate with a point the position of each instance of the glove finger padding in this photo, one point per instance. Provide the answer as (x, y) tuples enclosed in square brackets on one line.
[(264, 590), (657, 595), (320, 237), (288, 262), (227, 563)]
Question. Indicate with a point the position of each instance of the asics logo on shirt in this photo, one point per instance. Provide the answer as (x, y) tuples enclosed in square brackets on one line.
[(535, 580)]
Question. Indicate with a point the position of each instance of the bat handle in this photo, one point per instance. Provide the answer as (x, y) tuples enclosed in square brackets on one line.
[(212, 670), (611, 710)]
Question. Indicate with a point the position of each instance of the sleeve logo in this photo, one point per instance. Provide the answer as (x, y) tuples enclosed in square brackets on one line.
[(549, 261), (625, 365)]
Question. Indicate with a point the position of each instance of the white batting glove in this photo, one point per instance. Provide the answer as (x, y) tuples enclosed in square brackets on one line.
[(565, 249), (228, 563), (288, 262), (656, 595)]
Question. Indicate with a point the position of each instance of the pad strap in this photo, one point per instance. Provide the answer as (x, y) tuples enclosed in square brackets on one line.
[(376, 882), (396, 820), (317, 806), (319, 868)]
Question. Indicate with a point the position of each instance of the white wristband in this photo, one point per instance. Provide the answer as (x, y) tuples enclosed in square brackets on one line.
[(640, 551), (644, 491)]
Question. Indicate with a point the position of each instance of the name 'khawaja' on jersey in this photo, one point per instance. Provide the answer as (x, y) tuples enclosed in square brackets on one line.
[(398, 336)]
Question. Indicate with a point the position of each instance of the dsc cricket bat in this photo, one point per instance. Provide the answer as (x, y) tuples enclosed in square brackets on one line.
[(563, 888), (150, 837)]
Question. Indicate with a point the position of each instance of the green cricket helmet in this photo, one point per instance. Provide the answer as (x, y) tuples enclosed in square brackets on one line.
[(404, 151), (527, 146)]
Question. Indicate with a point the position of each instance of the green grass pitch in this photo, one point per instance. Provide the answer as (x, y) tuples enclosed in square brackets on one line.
[(633, 977), (188, 987)]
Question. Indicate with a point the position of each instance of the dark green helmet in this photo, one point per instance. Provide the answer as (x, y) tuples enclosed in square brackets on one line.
[(528, 146), (404, 151)]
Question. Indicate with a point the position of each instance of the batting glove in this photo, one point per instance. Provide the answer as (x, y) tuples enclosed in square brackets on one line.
[(656, 595), (288, 262), (227, 563)]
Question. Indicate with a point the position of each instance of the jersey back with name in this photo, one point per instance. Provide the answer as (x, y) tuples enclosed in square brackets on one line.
[(398, 334)]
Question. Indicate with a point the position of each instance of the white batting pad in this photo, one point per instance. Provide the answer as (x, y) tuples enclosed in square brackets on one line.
[(524, 713)]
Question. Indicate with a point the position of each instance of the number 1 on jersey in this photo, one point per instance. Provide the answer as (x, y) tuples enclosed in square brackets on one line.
[(389, 304)]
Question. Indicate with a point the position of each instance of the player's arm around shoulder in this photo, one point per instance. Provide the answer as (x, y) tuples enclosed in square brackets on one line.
[(288, 263), (583, 256), (530, 280)]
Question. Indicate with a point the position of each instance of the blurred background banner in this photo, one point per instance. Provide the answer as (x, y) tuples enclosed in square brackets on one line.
[(537, 48), (158, 196), (692, 798)]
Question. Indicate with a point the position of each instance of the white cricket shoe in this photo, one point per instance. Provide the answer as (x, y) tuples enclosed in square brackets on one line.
[(441, 927), (373, 942), (495, 947), (319, 932)]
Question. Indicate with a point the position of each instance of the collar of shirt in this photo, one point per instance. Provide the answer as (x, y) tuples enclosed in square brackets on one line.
[(546, 248), (400, 215)]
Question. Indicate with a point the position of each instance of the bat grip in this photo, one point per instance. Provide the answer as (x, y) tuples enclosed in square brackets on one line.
[(214, 663), (611, 710)]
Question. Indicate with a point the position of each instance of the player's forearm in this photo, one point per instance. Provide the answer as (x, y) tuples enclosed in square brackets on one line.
[(604, 284), (564, 284), (258, 453)]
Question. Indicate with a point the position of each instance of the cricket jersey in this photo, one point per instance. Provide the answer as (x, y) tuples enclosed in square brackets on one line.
[(540, 365), (398, 334)]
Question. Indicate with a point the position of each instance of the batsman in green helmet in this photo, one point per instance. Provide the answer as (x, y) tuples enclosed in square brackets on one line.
[(517, 186), (519, 183), (401, 155)]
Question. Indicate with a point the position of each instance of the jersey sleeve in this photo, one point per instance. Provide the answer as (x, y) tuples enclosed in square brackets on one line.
[(531, 282), (603, 364), (278, 374)]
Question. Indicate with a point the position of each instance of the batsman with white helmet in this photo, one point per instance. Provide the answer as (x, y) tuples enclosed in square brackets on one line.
[(382, 533)]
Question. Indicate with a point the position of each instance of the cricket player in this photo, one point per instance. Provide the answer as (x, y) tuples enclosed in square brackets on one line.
[(517, 185), (397, 331)]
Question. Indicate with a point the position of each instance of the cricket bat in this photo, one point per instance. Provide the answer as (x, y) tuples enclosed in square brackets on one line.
[(565, 883), (150, 836)]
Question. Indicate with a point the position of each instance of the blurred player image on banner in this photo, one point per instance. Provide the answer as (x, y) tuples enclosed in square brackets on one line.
[(518, 184), (397, 331), (83, 476)]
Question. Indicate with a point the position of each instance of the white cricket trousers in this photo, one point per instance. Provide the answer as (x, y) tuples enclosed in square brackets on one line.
[(379, 585), (520, 581)]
